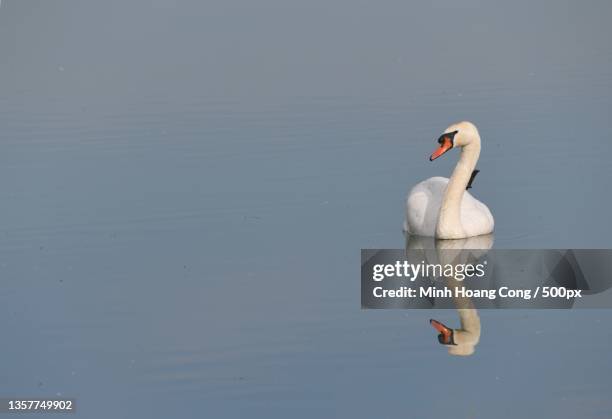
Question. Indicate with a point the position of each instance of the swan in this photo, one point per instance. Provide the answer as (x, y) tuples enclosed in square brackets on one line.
[(443, 208), (461, 341)]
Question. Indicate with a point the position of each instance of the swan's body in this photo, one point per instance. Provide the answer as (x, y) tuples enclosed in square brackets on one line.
[(442, 208), (423, 210)]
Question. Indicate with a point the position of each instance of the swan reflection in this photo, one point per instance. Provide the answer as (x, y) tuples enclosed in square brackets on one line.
[(461, 341)]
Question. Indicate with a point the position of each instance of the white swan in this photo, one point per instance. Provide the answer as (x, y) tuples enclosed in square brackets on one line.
[(462, 341), (443, 208)]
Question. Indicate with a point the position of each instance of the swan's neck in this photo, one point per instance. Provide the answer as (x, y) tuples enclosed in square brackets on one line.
[(449, 221)]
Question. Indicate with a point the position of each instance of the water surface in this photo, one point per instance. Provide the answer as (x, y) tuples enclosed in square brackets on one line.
[(186, 188)]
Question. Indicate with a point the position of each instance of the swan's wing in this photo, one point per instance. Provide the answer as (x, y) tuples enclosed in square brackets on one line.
[(423, 206), (475, 216)]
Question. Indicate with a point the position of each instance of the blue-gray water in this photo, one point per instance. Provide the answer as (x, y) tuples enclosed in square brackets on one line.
[(186, 187)]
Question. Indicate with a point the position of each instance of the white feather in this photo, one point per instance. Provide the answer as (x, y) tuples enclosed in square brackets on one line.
[(423, 208)]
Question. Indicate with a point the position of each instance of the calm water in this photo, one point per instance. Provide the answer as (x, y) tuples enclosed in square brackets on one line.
[(186, 188)]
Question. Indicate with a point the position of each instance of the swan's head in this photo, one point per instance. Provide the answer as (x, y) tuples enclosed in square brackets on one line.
[(461, 134), (460, 342)]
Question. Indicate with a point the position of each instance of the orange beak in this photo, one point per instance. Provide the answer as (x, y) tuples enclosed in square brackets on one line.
[(444, 147), (446, 334)]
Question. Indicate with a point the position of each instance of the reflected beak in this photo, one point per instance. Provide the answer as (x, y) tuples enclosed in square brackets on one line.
[(445, 145), (446, 336)]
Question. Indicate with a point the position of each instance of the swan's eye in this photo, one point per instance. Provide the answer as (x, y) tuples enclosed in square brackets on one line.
[(450, 136)]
